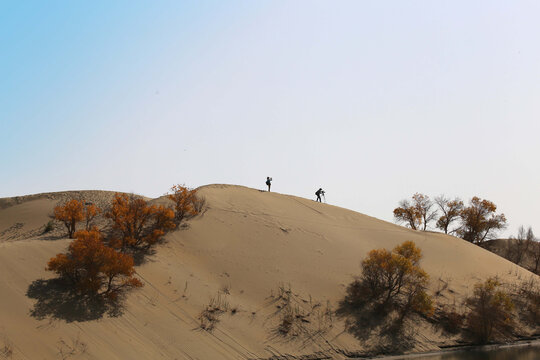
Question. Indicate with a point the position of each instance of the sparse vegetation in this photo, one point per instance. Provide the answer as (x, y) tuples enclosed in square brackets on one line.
[(70, 349), (299, 317), (211, 314)]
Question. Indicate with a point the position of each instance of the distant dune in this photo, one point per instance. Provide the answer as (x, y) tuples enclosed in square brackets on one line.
[(249, 247)]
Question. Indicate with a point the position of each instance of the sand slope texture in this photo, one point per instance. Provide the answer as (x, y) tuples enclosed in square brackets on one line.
[(252, 254)]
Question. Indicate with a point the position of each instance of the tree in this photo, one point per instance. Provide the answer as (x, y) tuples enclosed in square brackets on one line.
[(408, 214), (92, 266), (417, 214), (186, 202), (424, 206), (490, 312), (70, 214), (536, 257), (90, 212), (479, 221), (137, 225), (394, 279), (450, 209), (518, 248)]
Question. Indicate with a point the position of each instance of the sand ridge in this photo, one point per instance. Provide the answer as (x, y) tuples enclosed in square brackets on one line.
[(247, 247)]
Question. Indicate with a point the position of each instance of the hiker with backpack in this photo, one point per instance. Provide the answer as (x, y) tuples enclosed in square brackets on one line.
[(319, 193), (268, 182)]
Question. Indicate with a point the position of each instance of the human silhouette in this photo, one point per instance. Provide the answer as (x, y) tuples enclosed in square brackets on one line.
[(268, 182), (319, 193)]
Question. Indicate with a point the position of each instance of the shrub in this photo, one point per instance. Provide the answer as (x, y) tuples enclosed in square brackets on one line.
[(93, 267), (48, 227), (70, 214), (393, 280), (137, 225), (490, 314), (186, 202)]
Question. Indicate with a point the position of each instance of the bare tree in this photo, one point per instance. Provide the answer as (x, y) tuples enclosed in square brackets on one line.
[(450, 212), (518, 247), (535, 251), (425, 208)]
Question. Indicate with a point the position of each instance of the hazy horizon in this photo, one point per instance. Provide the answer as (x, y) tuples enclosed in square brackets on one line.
[(372, 101)]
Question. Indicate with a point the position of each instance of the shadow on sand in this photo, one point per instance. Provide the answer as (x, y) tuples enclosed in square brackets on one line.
[(57, 299), (374, 324)]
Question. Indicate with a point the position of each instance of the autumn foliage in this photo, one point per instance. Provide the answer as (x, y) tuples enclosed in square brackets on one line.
[(476, 222), (70, 214), (416, 214), (90, 213), (137, 225), (94, 267), (479, 221), (393, 280), (186, 202)]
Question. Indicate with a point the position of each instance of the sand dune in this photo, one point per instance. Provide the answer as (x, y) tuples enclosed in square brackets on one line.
[(245, 247)]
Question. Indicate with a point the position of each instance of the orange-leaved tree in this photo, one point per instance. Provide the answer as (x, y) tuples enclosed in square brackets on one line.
[(393, 279), (90, 213), (479, 221), (137, 225), (94, 267), (417, 214), (186, 202), (70, 214)]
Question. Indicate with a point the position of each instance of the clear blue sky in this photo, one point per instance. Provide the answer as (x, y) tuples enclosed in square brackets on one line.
[(372, 100)]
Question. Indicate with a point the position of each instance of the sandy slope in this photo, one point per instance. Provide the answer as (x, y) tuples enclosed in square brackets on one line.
[(246, 245)]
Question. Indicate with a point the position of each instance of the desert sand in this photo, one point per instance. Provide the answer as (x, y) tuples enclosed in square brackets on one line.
[(247, 246)]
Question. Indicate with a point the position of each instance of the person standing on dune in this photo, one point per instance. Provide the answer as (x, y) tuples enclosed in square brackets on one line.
[(268, 182)]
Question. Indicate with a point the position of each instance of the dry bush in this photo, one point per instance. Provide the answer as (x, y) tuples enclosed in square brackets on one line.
[(450, 318), (301, 317), (490, 312), (94, 267), (211, 314), (186, 203), (70, 214), (527, 299), (6, 351), (137, 225), (73, 348), (393, 280)]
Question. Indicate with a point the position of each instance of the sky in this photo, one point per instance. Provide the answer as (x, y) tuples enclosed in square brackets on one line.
[(371, 100)]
